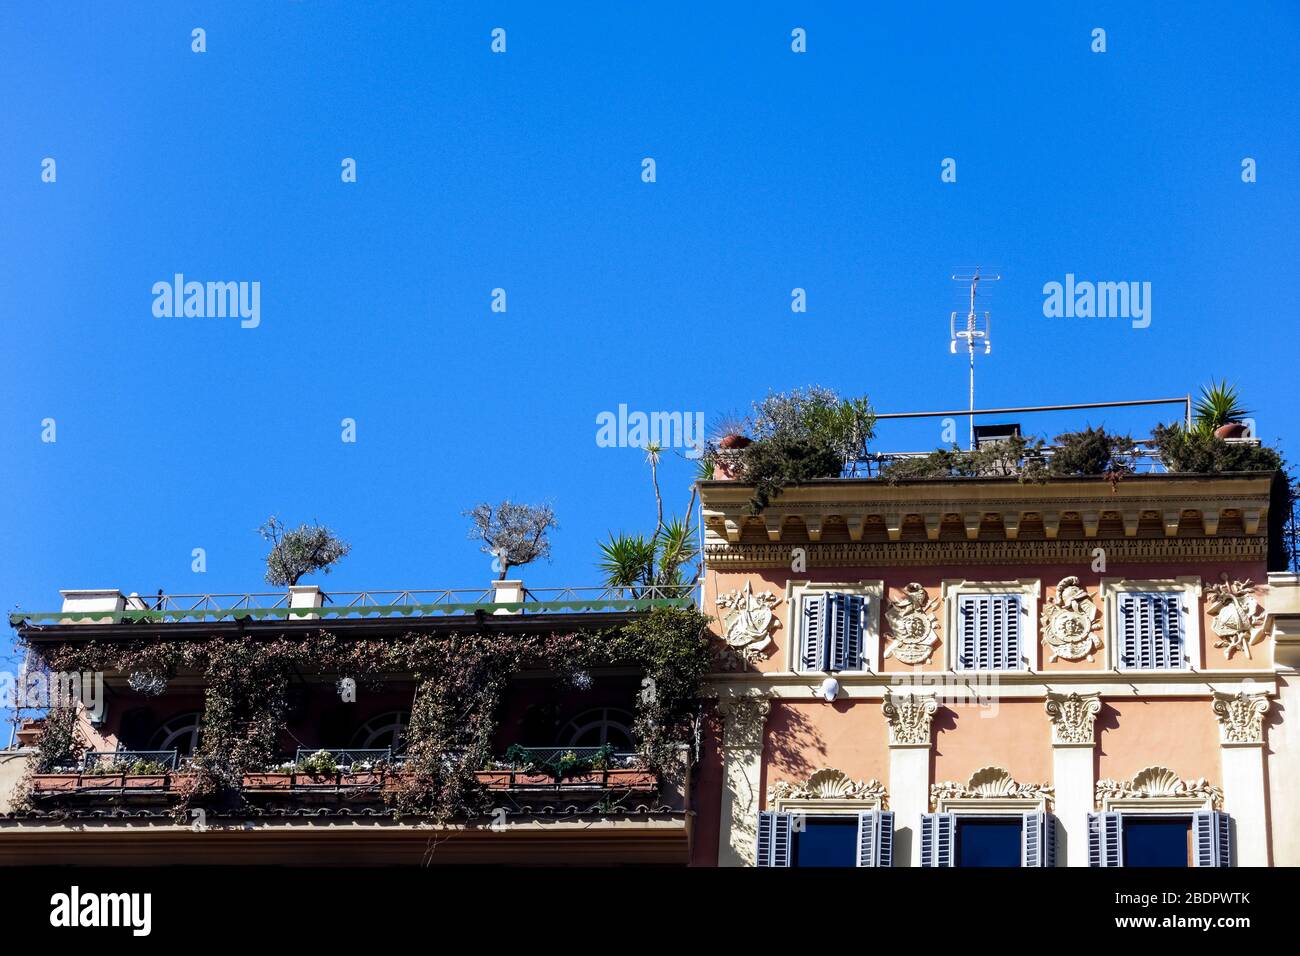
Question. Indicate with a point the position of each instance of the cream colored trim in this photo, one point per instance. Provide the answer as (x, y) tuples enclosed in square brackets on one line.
[(1011, 685), (990, 790), (796, 591), (1029, 589), (1157, 789), (827, 791), (1188, 585)]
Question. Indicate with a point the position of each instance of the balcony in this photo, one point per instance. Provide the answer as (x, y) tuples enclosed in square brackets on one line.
[(106, 772)]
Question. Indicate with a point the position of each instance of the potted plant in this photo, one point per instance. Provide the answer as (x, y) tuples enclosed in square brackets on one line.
[(276, 778), (363, 773), (1219, 410), (141, 774), (321, 769), (105, 776), (527, 771), (497, 775), (58, 780), (631, 776)]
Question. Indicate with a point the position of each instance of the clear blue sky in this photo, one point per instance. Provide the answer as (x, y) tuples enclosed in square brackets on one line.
[(775, 170)]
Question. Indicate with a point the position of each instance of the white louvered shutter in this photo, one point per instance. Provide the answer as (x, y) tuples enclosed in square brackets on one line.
[(989, 632), (773, 839), (812, 639), (1105, 839), (1151, 630), (1213, 838), (1038, 840), (876, 838), (938, 839), (845, 631)]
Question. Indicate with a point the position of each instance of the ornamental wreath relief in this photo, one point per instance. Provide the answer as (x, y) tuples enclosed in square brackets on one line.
[(1238, 620), (912, 622), (746, 621), (1069, 620)]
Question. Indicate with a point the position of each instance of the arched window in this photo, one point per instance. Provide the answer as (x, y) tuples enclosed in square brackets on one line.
[(386, 730), (181, 734), (600, 726)]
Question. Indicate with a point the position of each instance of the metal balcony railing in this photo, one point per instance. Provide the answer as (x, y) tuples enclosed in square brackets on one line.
[(120, 759), (346, 758)]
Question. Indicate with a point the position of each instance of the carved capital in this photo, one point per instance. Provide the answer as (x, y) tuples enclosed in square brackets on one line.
[(1073, 717), (1241, 717), (745, 720), (909, 718)]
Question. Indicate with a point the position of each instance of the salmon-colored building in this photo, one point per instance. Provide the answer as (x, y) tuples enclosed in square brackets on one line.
[(979, 671)]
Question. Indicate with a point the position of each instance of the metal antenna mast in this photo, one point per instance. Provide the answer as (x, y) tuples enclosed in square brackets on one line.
[(973, 327)]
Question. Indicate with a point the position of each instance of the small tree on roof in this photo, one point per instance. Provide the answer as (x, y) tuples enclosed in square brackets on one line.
[(298, 552), (513, 534)]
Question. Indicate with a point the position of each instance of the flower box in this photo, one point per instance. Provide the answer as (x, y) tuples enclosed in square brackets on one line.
[(55, 782), (103, 781), (315, 779), (632, 779), (267, 781), (592, 778), (393, 780), (361, 778), (525, 779), (493, 779), (146, 781)]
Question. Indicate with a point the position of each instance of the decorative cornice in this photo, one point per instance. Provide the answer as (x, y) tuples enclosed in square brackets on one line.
[(850, 554), (990, 783), (1241, 717), (1073, 718), (828, 784), (745, 720), (909, 718), (1156, 783)]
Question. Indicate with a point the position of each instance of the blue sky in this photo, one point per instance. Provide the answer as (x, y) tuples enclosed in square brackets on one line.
[(522, 171)]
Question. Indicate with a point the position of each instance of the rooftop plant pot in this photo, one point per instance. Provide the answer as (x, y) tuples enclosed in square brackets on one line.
[(632, 779), (315, 779), (525, 779), (1231, 430), (493, 779), (103, 781), (361, 778), (736, 442), (55, 782), (145, 781), (267, 781)]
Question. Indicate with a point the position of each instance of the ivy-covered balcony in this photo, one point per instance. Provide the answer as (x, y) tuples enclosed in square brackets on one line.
[(409, 705)]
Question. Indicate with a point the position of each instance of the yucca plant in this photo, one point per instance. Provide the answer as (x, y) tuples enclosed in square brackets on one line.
[(1218, 405)]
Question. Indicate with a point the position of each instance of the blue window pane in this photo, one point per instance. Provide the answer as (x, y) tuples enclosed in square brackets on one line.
[(1158, 842), (993, 842), (827, 841)]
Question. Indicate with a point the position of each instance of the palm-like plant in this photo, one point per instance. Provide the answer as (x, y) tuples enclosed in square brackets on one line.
[(1218, 405), (664, 558)]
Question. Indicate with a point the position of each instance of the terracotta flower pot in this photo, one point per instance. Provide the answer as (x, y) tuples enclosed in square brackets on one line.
[(103, 781), (736, 442), (1231, 430), (315, 779), (393, 780), (146, 781), (523, 779), (361, 778), (55, 782), (267, 781), (493, 779), (625, 779)]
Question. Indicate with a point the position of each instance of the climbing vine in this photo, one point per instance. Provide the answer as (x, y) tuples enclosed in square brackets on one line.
[(460, 680)]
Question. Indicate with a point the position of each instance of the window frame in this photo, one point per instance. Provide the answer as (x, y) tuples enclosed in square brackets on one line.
[(1029, 590), (1188, 587), (795, 594)]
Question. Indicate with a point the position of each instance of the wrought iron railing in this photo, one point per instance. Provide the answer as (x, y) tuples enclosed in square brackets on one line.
[(99, 759), (550, 755), (339, 605), (346, 758), (1145, 459)]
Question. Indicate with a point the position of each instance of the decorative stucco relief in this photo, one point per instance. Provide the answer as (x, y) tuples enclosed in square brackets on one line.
[(747, 623), (989, 783), (1241, 717), (912, 623), (909, 718), (1238, 618), (1073, 717), (1070, 620), (828, 784), (1158, 782)]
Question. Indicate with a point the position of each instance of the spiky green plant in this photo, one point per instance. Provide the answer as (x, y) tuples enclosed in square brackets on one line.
[(1218, 405)]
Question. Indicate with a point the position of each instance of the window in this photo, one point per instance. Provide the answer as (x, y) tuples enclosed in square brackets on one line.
[(984, 839), (1150, 630), (988, 632), (1202, 838), (600, 726), (386, 730), (181, 734), (831, 633), (865, 838)]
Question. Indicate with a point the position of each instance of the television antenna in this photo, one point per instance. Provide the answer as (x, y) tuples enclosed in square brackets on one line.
[(973, 326)]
